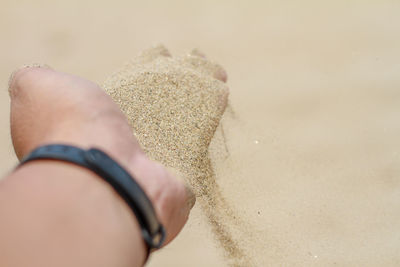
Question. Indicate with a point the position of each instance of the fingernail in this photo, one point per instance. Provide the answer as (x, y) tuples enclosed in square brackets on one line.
[(191, 200), (162, 50), (33, 65), (197, 52), (191, 197), (220, 74)]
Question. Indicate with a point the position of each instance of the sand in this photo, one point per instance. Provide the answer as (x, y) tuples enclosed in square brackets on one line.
[(311, 158), (174, 105)]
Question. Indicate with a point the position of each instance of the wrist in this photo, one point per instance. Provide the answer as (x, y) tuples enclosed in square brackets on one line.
[(94, 213), (127, 153), (151, 176)]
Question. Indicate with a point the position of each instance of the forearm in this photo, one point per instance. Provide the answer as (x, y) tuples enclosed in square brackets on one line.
[(58, 214)]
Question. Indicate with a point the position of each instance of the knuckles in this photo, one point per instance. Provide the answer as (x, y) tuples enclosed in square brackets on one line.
[(25, 79)]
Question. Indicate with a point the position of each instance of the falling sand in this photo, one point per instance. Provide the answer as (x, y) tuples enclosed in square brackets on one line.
[(174, 106)]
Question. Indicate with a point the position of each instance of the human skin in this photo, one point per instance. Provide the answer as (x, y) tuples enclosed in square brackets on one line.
[(58, 214)]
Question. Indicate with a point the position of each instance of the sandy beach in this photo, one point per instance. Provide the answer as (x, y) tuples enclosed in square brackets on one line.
[(307, 154)]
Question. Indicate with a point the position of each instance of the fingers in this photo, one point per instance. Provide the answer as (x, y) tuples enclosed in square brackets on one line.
[(195, 60), (151, 54), (197, 52), (190, 197), (198, 61)]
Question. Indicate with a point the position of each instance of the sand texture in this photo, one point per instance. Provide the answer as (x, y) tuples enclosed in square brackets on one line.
[(174, 106), (307, 153)]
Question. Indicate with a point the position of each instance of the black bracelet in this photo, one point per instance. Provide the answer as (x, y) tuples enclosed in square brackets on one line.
[(99, 162)]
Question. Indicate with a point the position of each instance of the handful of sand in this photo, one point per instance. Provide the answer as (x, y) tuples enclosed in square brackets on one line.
[(174, 106)]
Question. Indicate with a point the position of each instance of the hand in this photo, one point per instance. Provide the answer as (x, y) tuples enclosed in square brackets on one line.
[(53, 107)]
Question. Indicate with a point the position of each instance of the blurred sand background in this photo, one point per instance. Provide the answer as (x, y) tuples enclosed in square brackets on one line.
[(313, 158)]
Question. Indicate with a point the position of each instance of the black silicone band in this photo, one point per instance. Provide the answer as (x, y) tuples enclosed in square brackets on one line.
[(99, 162)]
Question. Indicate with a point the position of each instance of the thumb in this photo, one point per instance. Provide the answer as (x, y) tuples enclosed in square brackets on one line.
[(25, 87)]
